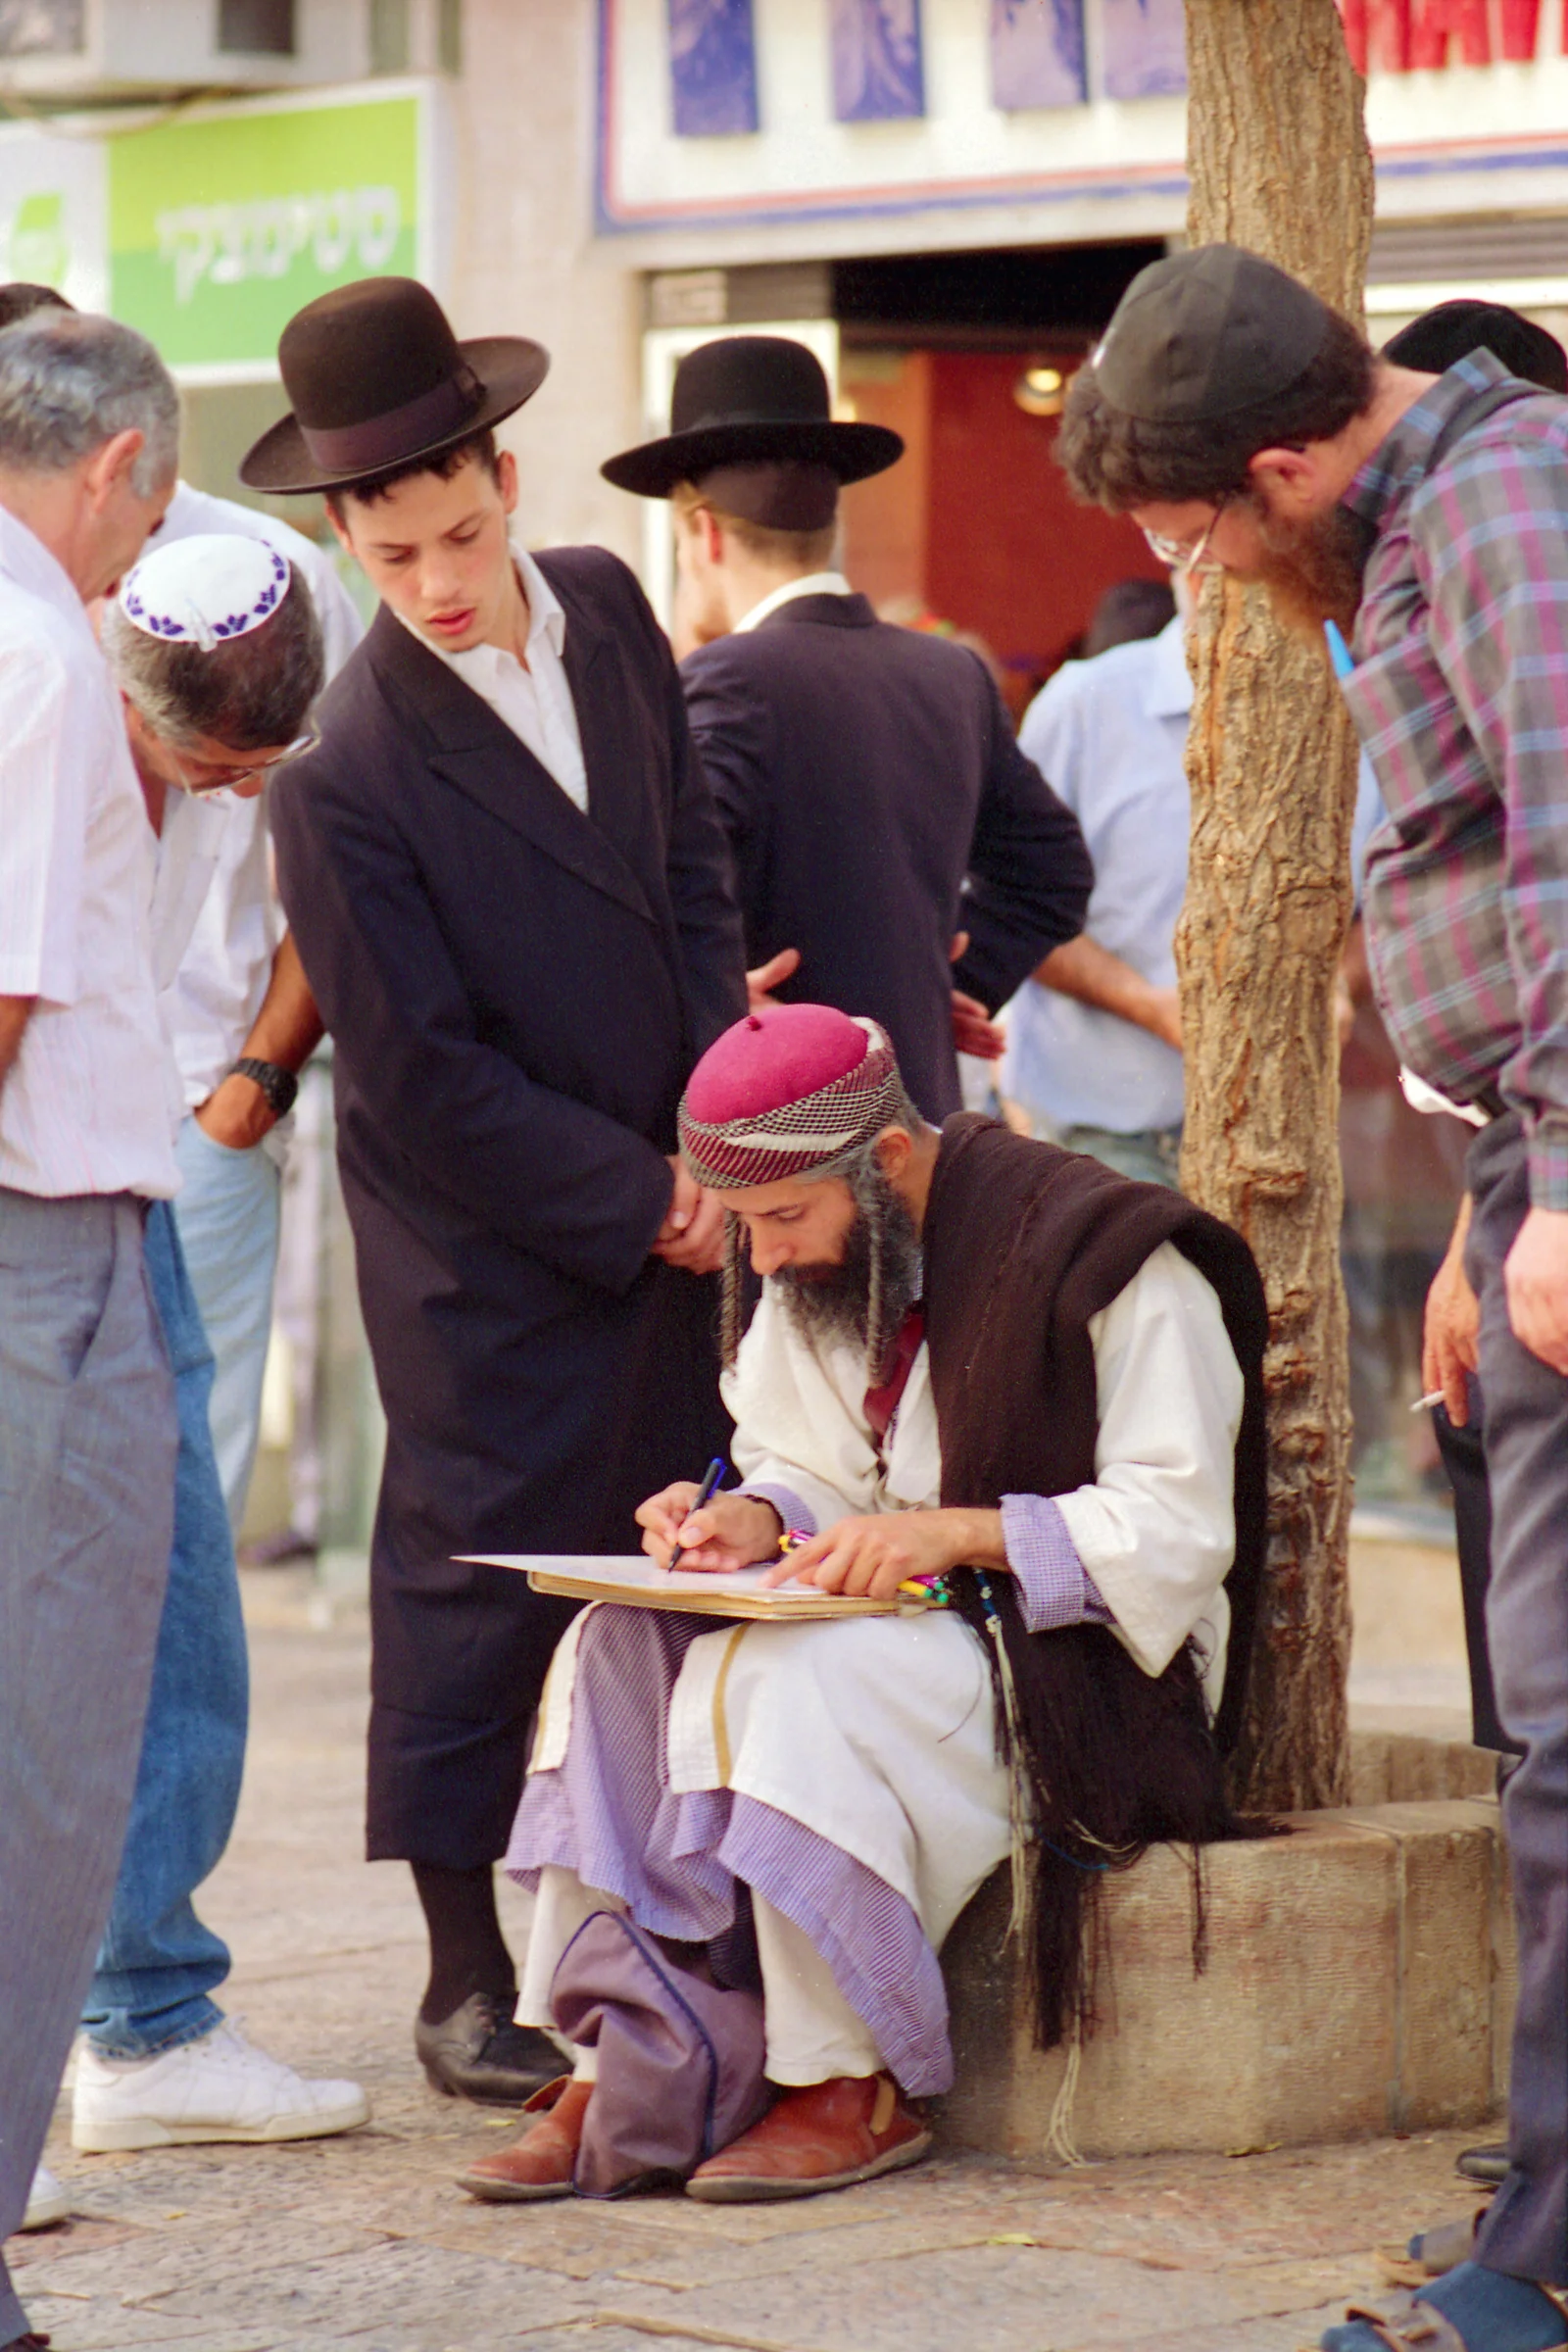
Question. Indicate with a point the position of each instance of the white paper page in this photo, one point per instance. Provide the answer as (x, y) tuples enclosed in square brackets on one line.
[(638, 1571)]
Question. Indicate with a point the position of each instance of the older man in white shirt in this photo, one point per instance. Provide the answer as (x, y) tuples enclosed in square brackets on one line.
[(88, 428), (236, 1009)]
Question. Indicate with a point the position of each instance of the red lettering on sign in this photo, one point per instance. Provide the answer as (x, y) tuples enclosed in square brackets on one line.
[(1521, 23), (1377, 33), (1437, 22)]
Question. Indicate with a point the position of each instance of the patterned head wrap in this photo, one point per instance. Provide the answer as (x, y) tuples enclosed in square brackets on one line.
[(795, 1090)]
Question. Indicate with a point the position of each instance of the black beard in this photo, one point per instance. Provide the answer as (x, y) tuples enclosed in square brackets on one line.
[(830, 1306), (1312, 570)]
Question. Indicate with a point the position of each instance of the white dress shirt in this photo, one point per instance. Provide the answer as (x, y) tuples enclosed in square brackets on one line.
[(224, 934), (535, 702), (811, 583), (84, 1107)]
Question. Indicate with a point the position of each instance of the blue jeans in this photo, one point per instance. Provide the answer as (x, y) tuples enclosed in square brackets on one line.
[(227, 1214), (1526, 1436), (158, 1964), (1151, 1155)]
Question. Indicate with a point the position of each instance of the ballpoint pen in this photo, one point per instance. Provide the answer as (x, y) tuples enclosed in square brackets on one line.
[(705, 1494)]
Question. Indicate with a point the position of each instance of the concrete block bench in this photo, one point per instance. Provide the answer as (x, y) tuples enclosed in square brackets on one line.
[(1360, 1981)]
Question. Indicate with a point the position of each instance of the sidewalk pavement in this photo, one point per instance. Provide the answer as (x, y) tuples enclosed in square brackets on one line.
[(365, 2244)]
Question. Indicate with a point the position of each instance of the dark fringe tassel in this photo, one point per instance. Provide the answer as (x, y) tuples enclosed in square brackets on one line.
[(1105, 1762)]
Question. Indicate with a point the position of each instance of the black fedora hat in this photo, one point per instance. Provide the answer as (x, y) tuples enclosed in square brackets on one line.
[(750, 400), (377, 379)]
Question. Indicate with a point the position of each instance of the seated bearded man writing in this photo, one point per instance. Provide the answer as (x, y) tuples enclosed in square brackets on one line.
[(976, 1358)]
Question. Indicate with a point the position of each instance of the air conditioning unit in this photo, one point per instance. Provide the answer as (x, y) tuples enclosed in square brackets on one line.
[(54, 51)]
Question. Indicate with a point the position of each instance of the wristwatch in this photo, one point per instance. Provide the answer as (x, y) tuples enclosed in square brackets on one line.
[(279, 1085)]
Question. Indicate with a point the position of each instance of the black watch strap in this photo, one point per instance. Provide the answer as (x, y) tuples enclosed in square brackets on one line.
[(279, 1085)]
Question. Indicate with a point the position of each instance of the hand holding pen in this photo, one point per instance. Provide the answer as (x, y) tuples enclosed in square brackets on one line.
[(705, 1494)]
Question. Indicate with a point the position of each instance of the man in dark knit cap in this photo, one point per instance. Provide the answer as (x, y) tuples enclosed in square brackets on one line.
[(878, 809), (979, 1360), (1243, 423)]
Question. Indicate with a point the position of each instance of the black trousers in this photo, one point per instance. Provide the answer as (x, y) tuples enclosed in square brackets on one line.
[(1526, 2231), (1464, 1458)]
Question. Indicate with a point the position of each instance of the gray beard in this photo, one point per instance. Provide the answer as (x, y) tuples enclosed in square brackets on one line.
[(830, 1306)]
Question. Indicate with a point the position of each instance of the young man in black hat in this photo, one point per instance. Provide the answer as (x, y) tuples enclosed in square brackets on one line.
[(1238, 418), (875, 800), (507, 885)]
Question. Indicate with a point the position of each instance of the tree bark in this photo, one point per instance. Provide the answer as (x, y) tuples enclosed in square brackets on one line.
[(1279, 162)]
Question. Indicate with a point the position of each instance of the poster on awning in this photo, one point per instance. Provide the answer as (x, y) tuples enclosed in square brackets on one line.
[(713, 67), (1037, 54), (878, 72), (1144, 43)]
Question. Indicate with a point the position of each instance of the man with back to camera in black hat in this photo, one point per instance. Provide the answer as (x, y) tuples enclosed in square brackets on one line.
[(1243, 422), (507, 885), (879, 813)]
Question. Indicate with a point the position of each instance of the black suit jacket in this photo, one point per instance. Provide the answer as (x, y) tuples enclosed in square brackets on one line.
[(516, 992), (876, 803)]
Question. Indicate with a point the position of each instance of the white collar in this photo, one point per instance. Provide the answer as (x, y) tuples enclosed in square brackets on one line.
[(547, 618), (814, 583), (1168, 692)]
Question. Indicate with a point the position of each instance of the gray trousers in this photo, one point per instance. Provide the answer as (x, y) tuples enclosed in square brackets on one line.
[(88, 1438), (1526, 1437)]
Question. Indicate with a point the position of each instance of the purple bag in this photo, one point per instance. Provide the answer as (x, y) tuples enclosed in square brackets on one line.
[(680, 2061)]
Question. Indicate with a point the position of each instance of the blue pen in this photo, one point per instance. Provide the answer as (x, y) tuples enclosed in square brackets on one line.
[(705, 1494)]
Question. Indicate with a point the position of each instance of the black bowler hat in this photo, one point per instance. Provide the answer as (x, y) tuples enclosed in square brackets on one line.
[(377, 379), (750, 400), (1452, 330), (1206, 333)]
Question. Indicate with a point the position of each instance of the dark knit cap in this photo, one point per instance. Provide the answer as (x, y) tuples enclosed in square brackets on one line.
[(1206, 334)]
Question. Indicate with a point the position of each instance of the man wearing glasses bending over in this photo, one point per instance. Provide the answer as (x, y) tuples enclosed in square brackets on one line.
[(1232, 412), (215, 646)]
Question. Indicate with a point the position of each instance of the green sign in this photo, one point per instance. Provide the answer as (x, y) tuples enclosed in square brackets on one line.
[(219, 229)]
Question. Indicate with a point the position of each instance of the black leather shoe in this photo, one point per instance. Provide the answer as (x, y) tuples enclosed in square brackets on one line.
[(1488, 2164), (478, 2054)]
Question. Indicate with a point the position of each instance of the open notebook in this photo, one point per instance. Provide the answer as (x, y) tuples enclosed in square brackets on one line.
[(641, 1585)]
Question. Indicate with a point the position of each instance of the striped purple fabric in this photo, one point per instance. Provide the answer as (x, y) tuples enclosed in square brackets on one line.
[(1460, 698), (1054, 1589), (610, 1815)]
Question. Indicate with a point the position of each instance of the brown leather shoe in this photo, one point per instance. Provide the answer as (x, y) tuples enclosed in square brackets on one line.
[(827, 2135), (542, 2161)]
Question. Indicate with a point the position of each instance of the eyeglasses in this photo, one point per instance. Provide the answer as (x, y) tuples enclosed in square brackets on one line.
[(219, 779), (1188, 554)]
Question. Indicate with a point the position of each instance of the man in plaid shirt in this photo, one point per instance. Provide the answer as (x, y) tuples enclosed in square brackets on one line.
[(1245, 426)]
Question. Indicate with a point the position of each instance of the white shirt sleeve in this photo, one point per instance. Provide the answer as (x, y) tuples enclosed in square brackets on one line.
[(1156, 1531), (43, 829)]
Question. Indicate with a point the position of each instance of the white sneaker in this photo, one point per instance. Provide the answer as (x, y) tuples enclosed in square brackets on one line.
[(218, 2088), (47, 2202)]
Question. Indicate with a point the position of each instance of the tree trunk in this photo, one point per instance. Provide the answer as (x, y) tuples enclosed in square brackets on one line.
[(1280, 163)]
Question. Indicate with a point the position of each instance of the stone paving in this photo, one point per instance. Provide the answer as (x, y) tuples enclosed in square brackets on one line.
[(366, 2243)]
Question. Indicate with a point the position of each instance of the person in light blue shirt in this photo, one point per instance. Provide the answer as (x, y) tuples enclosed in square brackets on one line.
[(1093, 1052)]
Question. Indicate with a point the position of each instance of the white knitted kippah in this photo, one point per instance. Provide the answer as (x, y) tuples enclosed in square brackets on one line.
[(205, 589)]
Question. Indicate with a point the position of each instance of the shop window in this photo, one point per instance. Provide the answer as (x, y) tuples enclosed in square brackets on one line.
[(256, 27), (42, 28), (389, 36)]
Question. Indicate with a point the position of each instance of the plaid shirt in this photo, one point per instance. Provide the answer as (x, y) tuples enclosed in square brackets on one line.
[(1460, 698)]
